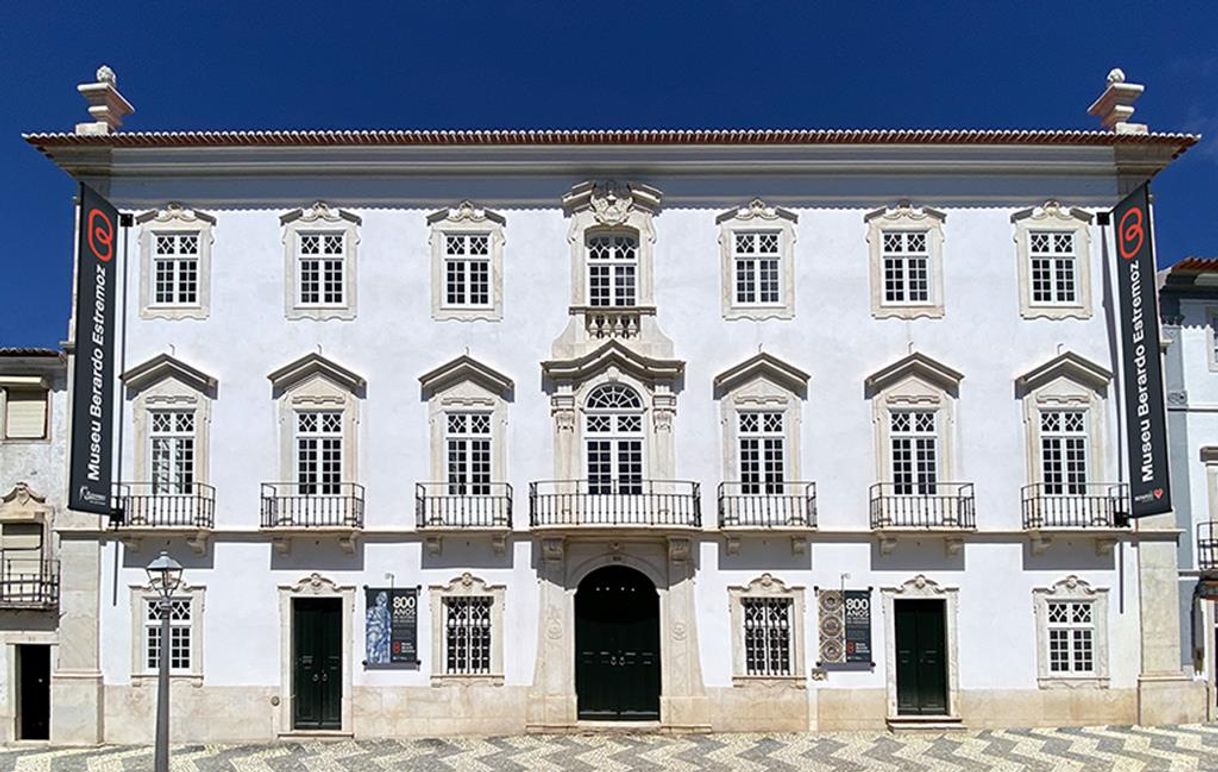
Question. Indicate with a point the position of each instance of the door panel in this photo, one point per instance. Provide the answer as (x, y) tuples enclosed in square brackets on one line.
[(317, 648), (921, 657), (34, 692), (617, 642)]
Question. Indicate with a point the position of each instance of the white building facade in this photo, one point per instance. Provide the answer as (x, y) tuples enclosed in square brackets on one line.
[(703, 430)]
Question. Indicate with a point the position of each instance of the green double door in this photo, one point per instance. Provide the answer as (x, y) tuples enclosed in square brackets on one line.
[(617, 646), (921, 657), (317, 653)]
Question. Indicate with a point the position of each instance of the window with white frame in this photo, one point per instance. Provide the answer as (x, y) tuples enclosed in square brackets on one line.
[(467, 630), (906, 266), (180, 634), (175, 263), (1063, 451), (915, 461), (467, 635), (25, 414), (467, 270), (1053, 249), (762, 441), (320, 250), (613, 438), (767, 622), (906, 261), (320, 261), (175, 269), (757, 250), (171, 446), (756, 257), (767, 636), (1053, 267), (613, 263), (319, 452), (468, 453), (1071, 627), (1071, 634)]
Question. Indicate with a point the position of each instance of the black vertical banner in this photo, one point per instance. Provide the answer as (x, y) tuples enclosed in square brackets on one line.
[(1142, 364), (97, 294)]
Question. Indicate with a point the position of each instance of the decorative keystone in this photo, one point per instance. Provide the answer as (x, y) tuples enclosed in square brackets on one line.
[(106, 105), (1114, 108)]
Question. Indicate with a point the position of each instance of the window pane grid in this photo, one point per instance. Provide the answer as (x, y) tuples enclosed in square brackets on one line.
[(1063, 452), (468, 444), (1071, 628), (321, 259), (756, 259), (1053, 267), (467, 635), (319, 452), (467, 269), (613, 425), (179, 634), (175, 269), (767, 636), (172, 451), (906, 267), (762, 452), (914, 452), (612, 270)]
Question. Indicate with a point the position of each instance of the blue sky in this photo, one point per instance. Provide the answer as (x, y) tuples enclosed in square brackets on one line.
[(305, 64)]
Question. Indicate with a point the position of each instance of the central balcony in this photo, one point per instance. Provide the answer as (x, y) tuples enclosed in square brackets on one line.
[(311, 508), (606, 322), (28, 582), (190, 506), (585, 504), (922, 507)]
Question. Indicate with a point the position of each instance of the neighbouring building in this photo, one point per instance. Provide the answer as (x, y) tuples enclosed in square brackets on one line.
[(33, 439), (1188, 298), (503, 431)]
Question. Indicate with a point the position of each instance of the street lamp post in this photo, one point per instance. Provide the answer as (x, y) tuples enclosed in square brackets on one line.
[(164, 574)]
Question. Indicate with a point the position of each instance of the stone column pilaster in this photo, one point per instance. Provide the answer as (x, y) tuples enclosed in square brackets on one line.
[(76, 680), (552, 705), (683, 702)]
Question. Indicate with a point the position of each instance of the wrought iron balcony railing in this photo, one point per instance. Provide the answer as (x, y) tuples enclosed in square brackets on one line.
[(767, 504), (945, 505), (29, 582), (1077, 505), (674, 503), (463, 505), (312, 505), (1207, 545), (158, 504)]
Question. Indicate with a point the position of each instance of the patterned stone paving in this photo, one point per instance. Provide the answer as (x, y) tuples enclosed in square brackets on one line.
[(1093, 748)]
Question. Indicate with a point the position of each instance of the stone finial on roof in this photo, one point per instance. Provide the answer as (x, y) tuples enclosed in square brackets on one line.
[(1114, 107), (106, 105)]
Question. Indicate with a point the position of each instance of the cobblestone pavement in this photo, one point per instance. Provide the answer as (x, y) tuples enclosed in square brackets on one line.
[(1094, 748)]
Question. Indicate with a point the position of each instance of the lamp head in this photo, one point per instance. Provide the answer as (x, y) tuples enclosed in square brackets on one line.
[(165, 574)]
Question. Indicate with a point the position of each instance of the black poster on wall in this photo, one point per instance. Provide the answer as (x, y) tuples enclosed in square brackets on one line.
[(391, 628), (845, 629), (1145, 414), (857, 610), (97, 293)]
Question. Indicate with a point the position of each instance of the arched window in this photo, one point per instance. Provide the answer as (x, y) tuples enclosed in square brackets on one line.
[(613, 438), (613, 267)]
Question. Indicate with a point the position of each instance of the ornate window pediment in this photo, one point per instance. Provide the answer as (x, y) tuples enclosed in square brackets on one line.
[(761, 401), (1071, 635), (175, 262), (171, 415), (1063, 409), (311, 365), (916, 366), (914, 411), (1053, 249), (466, 368), (906, 261), (757, 256), (320, 250), (316, 397), (611, 218), (467, 263)]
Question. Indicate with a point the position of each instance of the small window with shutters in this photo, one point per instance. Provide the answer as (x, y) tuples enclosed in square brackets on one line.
[(25, 414)]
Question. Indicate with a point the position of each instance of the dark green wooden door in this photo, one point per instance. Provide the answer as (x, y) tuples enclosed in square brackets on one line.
[(317, 651), (617, 646), (921, 657)]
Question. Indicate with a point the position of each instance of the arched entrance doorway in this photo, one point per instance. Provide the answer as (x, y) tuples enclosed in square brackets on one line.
[(617, 646)]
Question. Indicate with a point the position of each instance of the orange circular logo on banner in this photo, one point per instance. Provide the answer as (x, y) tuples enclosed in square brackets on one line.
[(1131, 233), (100, 232)]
